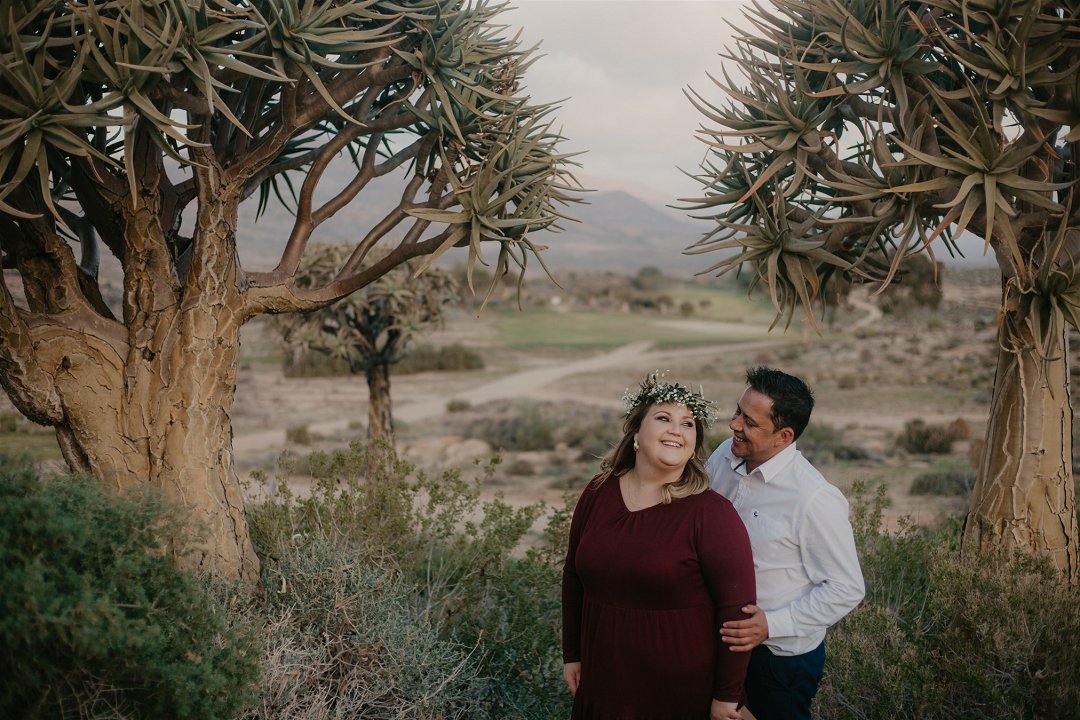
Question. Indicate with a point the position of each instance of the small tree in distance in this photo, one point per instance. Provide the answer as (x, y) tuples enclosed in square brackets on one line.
[(371, 329), (137, 127), (866, 132)]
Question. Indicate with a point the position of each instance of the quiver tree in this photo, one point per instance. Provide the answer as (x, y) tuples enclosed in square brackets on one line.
[(137, 127), (861, 134), (370, 329)]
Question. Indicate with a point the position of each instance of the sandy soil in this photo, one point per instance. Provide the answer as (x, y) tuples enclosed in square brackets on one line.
[(871, 373)]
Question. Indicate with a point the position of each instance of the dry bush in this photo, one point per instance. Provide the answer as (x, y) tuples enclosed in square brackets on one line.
[(348, 639), (941, 637), (925, 439)]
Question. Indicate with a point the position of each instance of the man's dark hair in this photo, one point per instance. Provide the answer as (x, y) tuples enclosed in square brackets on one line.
[(793, 401)]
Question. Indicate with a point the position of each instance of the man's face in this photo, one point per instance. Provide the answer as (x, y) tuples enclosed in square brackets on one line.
[(754, 438)]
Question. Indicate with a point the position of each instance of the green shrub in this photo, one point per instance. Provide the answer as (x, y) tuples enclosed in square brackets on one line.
[(349, 639), (923, 439), (455, 405), (9, 421), (298, 434), (956, 483), (460, 572), (823, 443), (425, 358), (97, 620), (541, 426), (529, 428), (314, 365), (941, 637)]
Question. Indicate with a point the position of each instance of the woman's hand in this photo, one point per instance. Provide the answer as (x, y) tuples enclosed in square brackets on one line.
[(571, 672), (724, 711)]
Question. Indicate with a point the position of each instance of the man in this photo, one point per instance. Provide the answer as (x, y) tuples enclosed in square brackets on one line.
[(808, 574)]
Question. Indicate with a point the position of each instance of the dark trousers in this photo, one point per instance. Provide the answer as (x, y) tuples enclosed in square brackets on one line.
[(780, 687)]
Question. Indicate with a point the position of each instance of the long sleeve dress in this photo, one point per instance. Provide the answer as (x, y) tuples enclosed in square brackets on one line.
[(644, 596)]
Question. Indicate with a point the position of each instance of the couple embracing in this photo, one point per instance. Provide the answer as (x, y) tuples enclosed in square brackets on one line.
[(680, 603)]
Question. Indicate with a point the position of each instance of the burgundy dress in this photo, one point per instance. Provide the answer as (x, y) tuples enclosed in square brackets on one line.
[(644, 596)]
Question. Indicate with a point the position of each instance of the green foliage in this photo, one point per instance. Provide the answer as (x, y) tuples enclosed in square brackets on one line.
[(648, 278), (945, 637), (96, 618), (858, 134), (346, 637), (426, 358), (374, 325), (314, 365), (542, 426), (483, 611), (823, 443), (918, 286), (298, 434), (454, 405), (9, 421), (274, 90), (929, 439), (956, 482)]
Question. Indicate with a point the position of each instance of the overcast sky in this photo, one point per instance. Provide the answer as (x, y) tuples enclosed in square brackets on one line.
[(622, 66)]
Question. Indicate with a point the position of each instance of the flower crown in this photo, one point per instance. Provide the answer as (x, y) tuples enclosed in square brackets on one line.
[(655, 391)]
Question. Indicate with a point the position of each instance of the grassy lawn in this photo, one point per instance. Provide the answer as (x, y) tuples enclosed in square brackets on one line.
[(727, 304), (593, 330), (39, 445)]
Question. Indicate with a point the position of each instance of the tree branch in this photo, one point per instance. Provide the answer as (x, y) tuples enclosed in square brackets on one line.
[(30, 388), (286, 297)]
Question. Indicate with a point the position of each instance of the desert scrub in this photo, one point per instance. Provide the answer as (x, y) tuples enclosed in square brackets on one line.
[(298, 435), (956, 482), (945, 637), (347, 638), (487, 608), (542, 425), (922, 438), (426, 358), (97, 620), (823, 443)]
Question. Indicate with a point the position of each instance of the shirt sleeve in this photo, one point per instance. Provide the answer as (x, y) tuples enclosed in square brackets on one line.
[(573, 592), (728, 570), (827, 548)]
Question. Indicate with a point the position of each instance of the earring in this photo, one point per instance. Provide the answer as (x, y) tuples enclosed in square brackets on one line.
[(636, 448)]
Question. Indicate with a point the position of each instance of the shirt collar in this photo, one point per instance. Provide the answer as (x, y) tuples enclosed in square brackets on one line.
[(769, 469)]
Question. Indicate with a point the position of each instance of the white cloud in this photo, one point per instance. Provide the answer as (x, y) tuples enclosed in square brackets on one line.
[(623, 65)]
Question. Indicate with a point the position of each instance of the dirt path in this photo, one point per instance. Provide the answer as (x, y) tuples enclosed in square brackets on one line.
[(534, 382)]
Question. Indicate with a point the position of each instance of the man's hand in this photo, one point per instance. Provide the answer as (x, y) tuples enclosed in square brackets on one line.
[(571, 673), (724, 711), (745, 635)]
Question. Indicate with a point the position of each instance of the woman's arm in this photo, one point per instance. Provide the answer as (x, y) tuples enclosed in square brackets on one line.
[(727, 567), (573, 592)]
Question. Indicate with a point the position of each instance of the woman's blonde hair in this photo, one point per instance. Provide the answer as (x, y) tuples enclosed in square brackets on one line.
[(694, 479)]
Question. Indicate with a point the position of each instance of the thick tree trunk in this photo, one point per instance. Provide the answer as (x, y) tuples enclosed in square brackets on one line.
[(1024, 496), (164, 422), (380, 420), (145, 401)]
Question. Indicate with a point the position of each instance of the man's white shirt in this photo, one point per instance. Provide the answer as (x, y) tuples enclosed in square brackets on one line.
[(808, 574)]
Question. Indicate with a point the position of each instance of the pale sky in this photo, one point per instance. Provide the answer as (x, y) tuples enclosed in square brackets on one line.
[(622, 66)]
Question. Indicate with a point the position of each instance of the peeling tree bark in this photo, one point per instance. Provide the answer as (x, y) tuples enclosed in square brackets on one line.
[(1024, 495), (160, 417)]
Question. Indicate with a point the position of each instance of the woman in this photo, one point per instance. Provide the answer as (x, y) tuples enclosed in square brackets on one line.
[(657, 562)]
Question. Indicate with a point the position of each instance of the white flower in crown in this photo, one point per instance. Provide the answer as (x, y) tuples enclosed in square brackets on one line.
[(655, 391)]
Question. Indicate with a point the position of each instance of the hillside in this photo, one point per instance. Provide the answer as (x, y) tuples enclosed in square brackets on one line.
[(615, 230)]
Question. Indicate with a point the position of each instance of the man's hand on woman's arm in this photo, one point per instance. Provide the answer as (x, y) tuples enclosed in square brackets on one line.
[(571, 672), (745, 635)]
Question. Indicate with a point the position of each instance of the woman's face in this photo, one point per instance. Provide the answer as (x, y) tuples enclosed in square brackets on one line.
[(667, 436)]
